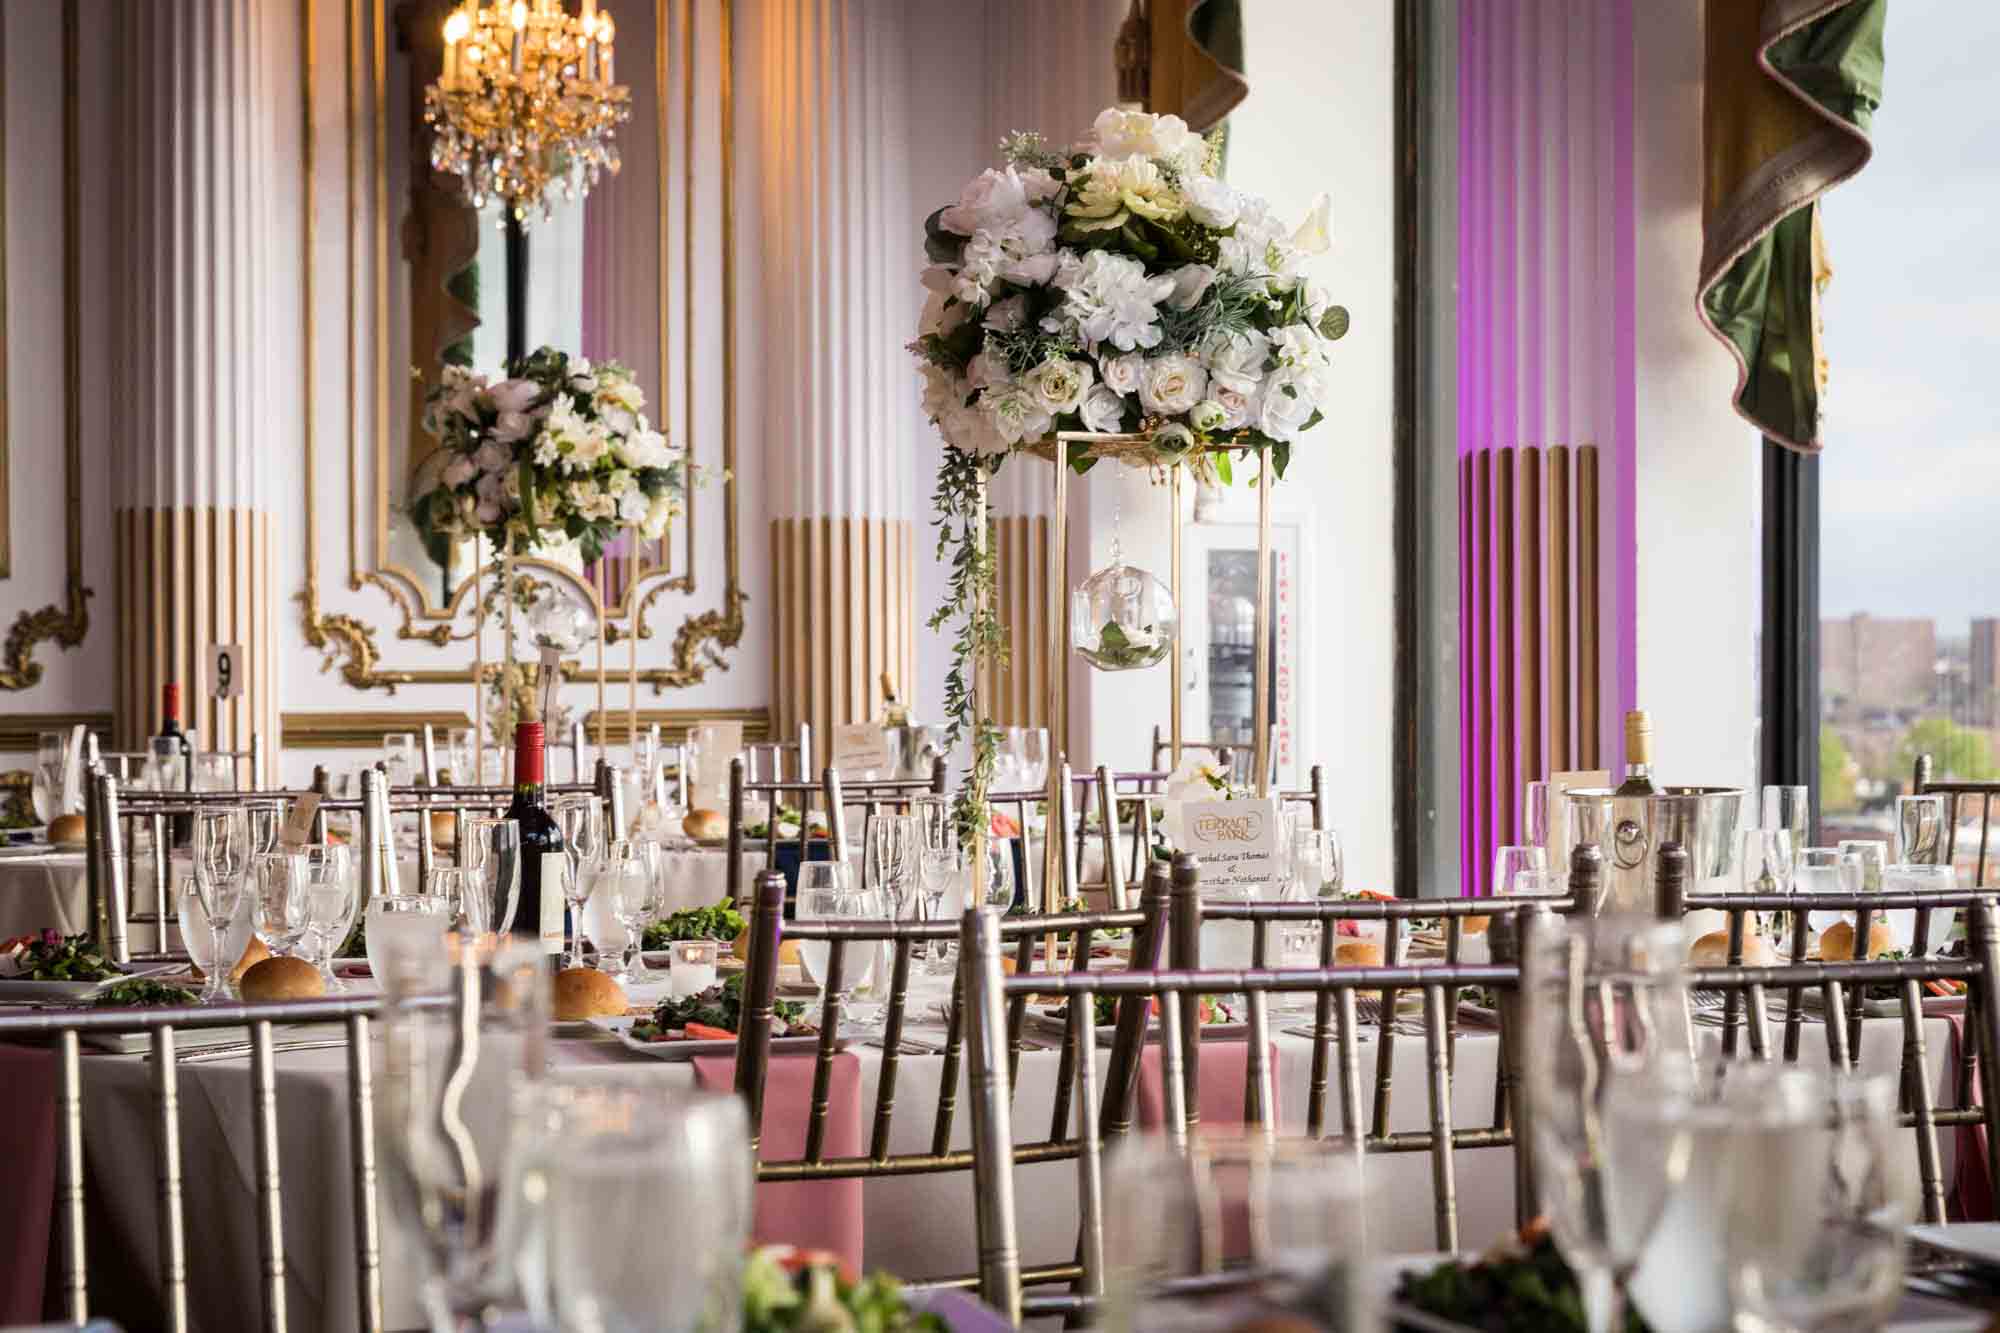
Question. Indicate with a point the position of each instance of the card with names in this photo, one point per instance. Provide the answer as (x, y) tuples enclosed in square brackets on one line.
[(861, 750), (1237, 842)]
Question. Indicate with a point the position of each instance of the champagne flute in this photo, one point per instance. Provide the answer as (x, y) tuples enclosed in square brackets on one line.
[(940, 868), (1788, 808), (280, 917), (1610, 1075), (1766, 865), (997, 878), (221, 859), (51, 770), (655, 858)]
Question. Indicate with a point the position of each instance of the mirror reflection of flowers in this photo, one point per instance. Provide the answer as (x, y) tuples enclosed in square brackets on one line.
[(559, 450)]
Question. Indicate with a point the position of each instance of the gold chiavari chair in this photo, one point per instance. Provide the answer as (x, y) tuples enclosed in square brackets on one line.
[(63, 1029), (1076, 1095), (990, 992)]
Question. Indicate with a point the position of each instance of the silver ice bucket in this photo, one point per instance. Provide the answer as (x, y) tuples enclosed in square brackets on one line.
[(1629, 831)]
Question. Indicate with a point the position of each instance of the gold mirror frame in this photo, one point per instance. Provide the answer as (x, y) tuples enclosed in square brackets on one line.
[(350, 644), (66, 623)]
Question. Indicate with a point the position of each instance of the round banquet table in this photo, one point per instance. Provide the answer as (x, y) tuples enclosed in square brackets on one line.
[(916, 1226)]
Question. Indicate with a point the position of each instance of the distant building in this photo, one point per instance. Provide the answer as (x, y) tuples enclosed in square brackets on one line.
[(1983, 678), (1874, 669)]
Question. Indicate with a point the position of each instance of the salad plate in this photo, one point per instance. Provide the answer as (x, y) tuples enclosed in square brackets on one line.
[(17, 989), (683, 1048)]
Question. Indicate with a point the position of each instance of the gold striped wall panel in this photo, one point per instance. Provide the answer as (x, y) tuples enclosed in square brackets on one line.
[(843, 613), (1019, 690), (188, 578)]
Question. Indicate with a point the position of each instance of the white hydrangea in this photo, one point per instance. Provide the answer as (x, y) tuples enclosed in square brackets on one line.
[(1115, 301), (1236, 360)]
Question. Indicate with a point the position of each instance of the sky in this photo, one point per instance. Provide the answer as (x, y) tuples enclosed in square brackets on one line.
[(1910, 476)]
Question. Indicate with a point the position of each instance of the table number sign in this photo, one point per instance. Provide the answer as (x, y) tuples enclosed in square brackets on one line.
[(227, 672), (1237, 842), (861, 750)]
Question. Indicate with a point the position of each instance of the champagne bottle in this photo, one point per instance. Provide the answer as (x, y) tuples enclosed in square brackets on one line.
[(895, 713), (539, 911)]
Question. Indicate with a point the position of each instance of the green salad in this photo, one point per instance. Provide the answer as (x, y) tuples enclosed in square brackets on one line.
[(1523, 1286), (788, 1291), (719, 1007), (720, 922), (141, 992), (52, 956)]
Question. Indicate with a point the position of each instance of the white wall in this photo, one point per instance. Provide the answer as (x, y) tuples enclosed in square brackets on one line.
[(1697, 482)]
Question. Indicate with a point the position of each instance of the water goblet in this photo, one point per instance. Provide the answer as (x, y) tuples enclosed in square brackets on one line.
[(1511, 862), (1788, 808), (1920, 830), (330, 907), (492, 851), (827, 893), (280, 915), (625, 886), (329, 868), (406, 949), (199, 939), (399, 758)]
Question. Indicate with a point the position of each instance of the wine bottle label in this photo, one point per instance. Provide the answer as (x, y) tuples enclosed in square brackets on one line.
[(555, 868)]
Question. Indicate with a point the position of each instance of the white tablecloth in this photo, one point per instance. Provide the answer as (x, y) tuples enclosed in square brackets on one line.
[(41, 890), (918, 1226)]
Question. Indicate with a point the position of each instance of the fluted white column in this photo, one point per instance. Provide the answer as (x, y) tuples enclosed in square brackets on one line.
[(193, 524), (838, 411)]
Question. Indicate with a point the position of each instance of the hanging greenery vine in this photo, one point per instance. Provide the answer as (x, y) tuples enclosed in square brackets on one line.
[(968, 604)]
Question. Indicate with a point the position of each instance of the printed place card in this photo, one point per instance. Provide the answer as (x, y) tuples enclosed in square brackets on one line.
[(861, 750), (1237, 842), (297, 831)]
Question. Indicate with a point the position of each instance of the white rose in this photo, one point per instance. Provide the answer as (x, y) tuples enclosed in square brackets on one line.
[(1122, 373), (1103, 411), (1288, 403), (1172, 384), (1239, 408), (1207, 416), (1236, 360), (459, 471), (1190, 282), (1059, 384), (1210, 202), (632, 506), (1016, 413)]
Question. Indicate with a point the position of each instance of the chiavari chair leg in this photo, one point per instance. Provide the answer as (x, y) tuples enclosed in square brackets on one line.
[(270, 1209), (1929, 1167), (1444, 1187), (173, 1219)]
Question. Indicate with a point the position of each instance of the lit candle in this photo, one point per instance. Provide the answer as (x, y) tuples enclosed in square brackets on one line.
[(590, 62), (605, 33), (589, 14), (455, 29), (517, 51)]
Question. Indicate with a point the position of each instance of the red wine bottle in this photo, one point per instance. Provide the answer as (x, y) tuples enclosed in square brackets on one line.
[(539, 913), (173, 758)]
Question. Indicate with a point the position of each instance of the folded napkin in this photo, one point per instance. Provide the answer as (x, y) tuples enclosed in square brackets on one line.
[(1220, 1099), (811, 1214), (28, 1126)]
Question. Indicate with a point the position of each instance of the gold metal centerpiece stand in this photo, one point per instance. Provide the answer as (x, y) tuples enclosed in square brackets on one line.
[(1132, 450)]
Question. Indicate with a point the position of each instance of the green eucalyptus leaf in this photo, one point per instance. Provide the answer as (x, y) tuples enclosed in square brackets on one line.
[(1333, 324)]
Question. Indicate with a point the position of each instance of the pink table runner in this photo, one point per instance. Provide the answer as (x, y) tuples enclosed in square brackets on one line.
[(811, 1214), (1220, 1099), (28, 1126)]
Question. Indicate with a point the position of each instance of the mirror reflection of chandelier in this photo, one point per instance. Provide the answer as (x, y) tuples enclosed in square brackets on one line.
[(526, 109)]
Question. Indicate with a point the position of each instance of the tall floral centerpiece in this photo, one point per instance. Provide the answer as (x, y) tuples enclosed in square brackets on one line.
[(558, 451), (1119, 287)]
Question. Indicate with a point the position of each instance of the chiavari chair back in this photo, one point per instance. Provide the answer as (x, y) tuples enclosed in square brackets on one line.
[(991, 993), (351, 1015), (1076, 1096), (782, 761), (1960, 798)]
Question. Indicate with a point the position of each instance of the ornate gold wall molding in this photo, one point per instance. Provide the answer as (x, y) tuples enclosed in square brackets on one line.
[(357, 730), (19, 731), (350, 643), (64, 624)]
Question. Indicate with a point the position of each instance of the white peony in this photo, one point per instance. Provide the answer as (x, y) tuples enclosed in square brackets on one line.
[(1207, 416), (1103, 411), (1211, 203), (1172, 384), (990, 201), (1104, 193), (1059, 384), (1016, 413), (1236, 360), (1113, 300), (969, 428), (1119, 134), (942, 391), (644, 449), (632, 506), (1122, 372), (1289, 402), (1191, 281)]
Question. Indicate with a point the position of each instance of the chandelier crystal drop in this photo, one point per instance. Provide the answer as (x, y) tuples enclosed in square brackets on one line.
[(526, 109)]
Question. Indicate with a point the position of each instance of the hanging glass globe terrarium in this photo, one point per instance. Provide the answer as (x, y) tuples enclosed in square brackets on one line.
[(1122, 618)]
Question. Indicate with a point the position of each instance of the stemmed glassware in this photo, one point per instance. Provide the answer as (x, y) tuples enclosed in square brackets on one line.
[(940, 866), (332, 899), (199, 940), (51, 767), (492, 852), (457, 890), (998, 879), (1789, 810), (1766, 863), (221, 860), (581, 819), (827, 893), (648, 911), (625, 881), (1610, 1074), (1920, 830), (399, 758), (280, 919), (1511, 864), (892, 845), (1315, 873), (267, 821)]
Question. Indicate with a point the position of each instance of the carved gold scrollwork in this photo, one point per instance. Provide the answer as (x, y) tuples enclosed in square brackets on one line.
[(66, 625), (338, 637)]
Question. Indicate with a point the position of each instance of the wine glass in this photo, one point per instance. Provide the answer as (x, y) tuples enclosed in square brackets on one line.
[(1315, 853), (458, 890), (1920, 824), (1766, 865), (280, 916), (267, 821), (997, 881), (655, 858), (199, 939), (940, 868), (1788, 808), (827, 893), (51, 772), (625, 884), (617, 1261), (1816, 1205), (1610, 1074), (328, 864), (493, 852), (331, 899), (399, 758), (1510, 863)]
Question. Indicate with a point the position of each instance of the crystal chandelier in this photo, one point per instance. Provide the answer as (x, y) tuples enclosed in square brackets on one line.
[(526, 108)]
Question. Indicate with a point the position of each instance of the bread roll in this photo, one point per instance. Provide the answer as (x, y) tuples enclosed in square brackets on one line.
[(788, 950), (706, 825), (444, 830), (1836, 942), (584, 992), (1355, 952), (1475, 925), (1712, 950), (67, 831), (283, 979)]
